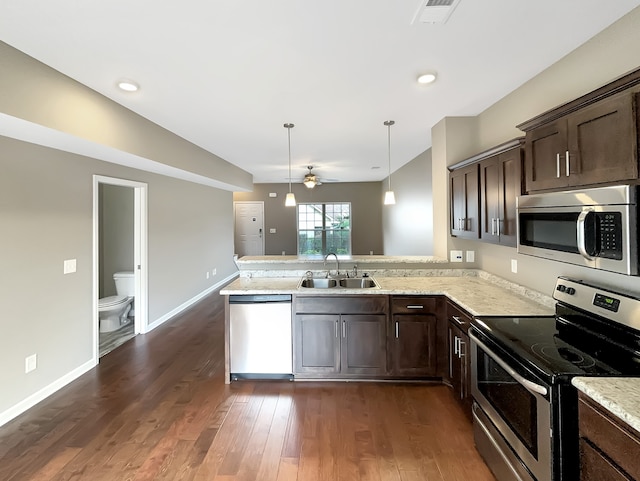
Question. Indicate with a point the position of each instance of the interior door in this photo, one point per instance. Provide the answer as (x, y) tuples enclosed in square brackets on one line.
[(249, 228)]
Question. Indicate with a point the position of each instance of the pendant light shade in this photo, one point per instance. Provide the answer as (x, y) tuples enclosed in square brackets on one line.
[(389, 196), (290, 200)]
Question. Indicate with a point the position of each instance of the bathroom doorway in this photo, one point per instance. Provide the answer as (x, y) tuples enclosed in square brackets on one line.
[(119, 264)]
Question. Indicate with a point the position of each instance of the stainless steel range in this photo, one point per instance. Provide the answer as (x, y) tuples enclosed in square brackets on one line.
[(525, 409)]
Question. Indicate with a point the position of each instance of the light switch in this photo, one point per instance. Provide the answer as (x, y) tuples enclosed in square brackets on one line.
[(471, 256), (69, 266), (514, 266), (272, 231)]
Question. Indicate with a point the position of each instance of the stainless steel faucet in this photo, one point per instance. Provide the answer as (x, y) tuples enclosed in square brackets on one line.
[(337, 264)]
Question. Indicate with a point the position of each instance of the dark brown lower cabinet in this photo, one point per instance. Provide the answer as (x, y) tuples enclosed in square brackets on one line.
[(413, 340), (348, 343), (459, 375), (609, 448)]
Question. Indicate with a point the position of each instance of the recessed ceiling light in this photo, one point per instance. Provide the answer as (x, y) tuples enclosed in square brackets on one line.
[(427, 78), (128, 85)]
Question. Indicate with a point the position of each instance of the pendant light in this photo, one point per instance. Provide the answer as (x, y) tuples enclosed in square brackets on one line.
[(290, 200), (389, 196)]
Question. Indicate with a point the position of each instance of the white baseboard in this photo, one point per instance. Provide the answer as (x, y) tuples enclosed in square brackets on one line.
[(189, 303), (45, 392)]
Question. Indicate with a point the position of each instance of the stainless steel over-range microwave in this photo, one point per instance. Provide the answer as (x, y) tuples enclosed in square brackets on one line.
[(593, 227)]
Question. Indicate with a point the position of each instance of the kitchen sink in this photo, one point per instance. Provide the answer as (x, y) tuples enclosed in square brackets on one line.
[(358, 283), (318, 283), (345, 283)]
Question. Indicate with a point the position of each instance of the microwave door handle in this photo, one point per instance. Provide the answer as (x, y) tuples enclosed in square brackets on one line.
[(528, 385), (582, 233)]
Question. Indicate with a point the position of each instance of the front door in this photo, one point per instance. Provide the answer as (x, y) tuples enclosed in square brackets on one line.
[(249, 228)]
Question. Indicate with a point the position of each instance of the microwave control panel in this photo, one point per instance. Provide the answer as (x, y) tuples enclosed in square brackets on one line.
[(610, 227)]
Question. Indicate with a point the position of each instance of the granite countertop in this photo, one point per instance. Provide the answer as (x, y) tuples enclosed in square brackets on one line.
[(618, 395), (480, 297)]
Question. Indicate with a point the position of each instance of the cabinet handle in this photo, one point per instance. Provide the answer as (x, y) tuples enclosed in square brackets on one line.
[(493, 226), (336, 328), (397, 330), (498, 227), (558, 165), (415, 306), (567, 162), (458, 320), (461, 353), (456, 349), (344, 329)]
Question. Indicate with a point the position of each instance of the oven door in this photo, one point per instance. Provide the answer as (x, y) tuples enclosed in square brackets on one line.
[(518, 407)]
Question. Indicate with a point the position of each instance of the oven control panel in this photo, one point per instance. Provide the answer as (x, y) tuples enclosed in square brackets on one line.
[(621, 307)]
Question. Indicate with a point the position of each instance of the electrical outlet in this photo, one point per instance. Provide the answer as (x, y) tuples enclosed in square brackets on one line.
[(213, 271), (471, 256), (514, 266), (455, 256), (30, 363)]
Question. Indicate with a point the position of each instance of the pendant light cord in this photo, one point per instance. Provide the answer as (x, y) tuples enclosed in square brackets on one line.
[(289, 127), (389, 123)]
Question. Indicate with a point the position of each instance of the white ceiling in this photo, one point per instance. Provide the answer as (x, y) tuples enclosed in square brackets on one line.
[(227, 74)]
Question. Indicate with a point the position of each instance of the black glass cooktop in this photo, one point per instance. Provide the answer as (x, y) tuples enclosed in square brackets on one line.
[(555, 349)]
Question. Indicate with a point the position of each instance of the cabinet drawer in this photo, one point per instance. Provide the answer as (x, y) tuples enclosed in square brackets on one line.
[(342, 304), (414, 305), (617, 441), (457, 316)]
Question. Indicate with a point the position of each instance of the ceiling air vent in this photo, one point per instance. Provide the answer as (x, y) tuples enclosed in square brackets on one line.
[(434, 11)]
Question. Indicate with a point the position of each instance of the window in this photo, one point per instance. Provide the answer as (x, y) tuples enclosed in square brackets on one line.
[(324, 228)]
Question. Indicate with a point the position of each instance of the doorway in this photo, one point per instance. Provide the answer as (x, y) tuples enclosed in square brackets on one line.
[(120, 209), (249, 228)]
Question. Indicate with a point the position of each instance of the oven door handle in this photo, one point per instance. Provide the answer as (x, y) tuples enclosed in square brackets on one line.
[(528, 385)]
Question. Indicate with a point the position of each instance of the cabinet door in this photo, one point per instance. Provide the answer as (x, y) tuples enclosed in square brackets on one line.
[(363, 344), (510, 185), (455, 361), (602, 141), (465, 202), (546, 148), (594, 466), (414, 345), (317, 344), (490, 189)]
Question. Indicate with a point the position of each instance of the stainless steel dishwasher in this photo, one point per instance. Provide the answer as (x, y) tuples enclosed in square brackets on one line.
[(260, 343)]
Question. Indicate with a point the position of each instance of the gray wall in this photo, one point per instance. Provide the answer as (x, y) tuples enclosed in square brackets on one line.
[(408, 225), (46, 216), (366, 213), (116, 204), (607, 56)]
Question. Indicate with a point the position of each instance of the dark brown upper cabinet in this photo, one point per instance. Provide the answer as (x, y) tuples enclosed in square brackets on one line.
[(483, 192), (464, 212), (500, 185), (591, 140)]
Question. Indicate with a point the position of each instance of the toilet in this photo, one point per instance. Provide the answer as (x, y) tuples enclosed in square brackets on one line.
[(113, 311)]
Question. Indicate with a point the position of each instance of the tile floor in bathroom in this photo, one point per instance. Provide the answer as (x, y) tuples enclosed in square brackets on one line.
[(110, 340)]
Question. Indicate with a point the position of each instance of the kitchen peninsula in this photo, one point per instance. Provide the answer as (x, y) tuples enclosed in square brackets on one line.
[(412, 295)]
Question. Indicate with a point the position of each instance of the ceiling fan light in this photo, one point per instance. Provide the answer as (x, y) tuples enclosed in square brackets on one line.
[(309, 183), (389, 198), (290, 200)]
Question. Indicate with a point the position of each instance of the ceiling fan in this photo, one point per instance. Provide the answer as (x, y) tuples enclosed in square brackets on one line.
[(311, 180)]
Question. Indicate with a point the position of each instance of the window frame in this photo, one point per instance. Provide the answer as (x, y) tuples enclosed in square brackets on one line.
[(324, 230)]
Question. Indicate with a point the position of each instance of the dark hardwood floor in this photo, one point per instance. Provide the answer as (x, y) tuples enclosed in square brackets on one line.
[(157, 408)]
